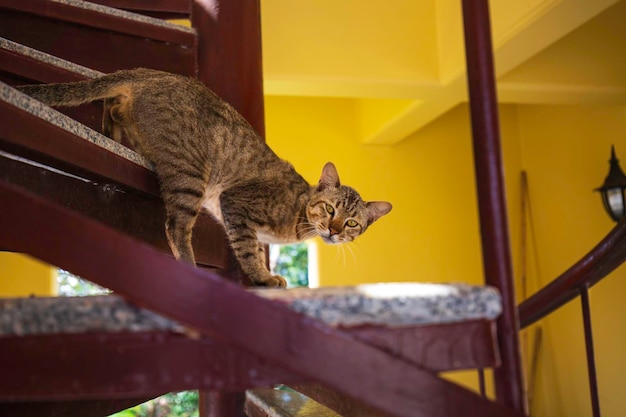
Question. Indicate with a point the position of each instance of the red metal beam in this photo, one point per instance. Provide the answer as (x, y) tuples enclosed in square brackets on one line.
[(491, 197), (96, 19), (99, 366), (221, 404), (201, 300), (439, 347), (168, 8), (94, 408), (26, 67)]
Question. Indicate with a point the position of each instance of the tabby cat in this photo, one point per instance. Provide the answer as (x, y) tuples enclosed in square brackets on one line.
[(207, 156)]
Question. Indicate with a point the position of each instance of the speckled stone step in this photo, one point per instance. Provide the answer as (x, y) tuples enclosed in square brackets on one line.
[(389, 305), (36, 108), (102, 313)]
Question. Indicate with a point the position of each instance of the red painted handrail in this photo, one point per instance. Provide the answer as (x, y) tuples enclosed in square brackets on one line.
[(590, 269)]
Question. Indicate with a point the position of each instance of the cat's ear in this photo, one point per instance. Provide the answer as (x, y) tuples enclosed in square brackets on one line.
[(329, 177), (377, 209)]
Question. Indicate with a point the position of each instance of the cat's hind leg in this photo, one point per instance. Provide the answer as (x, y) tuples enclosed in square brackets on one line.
[(182, 204), (109, 127)]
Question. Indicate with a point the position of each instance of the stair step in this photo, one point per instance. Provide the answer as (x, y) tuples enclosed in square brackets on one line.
[(20, 65), (99, 37), (118, 333), (21, 101), (385, 305), (68, 315), (392, 304), (427, 328), (267, 402)]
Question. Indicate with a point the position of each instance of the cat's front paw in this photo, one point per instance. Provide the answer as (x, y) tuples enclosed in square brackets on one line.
[(273, 281)]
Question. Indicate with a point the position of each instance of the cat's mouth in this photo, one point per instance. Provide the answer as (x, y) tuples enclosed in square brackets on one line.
[(330, 239)]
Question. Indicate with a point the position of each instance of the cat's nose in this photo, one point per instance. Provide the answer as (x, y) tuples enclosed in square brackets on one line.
[(333, 231)]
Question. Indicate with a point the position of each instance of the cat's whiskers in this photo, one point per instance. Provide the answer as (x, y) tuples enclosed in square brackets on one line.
[(309, 235), (336, 260), (349, 247), (308, 231), (343, 254)]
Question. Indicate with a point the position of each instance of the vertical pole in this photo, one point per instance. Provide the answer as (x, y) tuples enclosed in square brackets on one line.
[(481, 383), (591, 363), (221, 404), (229, 54), (491, 198), (230, 64)]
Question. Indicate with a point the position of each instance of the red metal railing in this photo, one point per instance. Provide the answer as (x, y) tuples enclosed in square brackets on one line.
[(604, 258)]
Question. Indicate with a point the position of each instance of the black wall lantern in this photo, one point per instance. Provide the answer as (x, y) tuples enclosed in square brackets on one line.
[(612, 190)]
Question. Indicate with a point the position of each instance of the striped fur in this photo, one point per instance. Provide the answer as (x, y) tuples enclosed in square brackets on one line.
[(208, 157)]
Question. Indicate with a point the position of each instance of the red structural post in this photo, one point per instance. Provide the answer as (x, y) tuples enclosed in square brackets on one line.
[(230, 63), (229, 54), (491, 197), (221, 404)]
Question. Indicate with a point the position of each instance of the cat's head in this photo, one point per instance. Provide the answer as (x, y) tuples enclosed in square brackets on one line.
[(337, 211)]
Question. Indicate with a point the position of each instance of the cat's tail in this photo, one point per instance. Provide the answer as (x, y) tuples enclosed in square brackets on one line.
[(75, 93)]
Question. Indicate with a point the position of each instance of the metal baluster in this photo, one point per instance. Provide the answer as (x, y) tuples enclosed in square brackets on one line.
[(481, 382), (591, 363)]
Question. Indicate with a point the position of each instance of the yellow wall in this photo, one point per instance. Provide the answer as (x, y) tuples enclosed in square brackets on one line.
[(345, 40), (21, 276), (432, 232), (311, 132), (429, 179)]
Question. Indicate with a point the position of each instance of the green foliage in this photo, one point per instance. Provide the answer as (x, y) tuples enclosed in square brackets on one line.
[(174, 404), (293, 264), (72, 285)]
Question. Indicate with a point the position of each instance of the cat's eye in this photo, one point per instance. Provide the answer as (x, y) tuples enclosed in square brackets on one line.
[(351, 223), (330, 209)]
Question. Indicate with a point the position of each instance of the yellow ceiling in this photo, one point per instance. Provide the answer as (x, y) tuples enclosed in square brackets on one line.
[(401, 62)]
